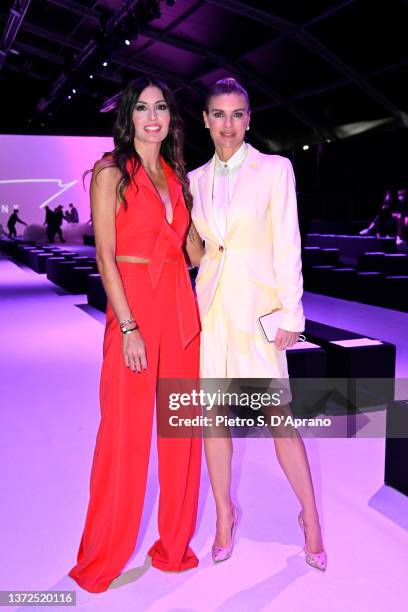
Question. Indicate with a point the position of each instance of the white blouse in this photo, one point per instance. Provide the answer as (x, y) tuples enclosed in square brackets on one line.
[(224, 182)]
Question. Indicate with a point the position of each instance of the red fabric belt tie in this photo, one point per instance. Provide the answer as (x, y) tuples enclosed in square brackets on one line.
[(186, 305)]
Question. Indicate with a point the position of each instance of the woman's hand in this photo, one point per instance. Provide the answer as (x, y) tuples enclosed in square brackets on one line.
[(134, 351), (284, 339)]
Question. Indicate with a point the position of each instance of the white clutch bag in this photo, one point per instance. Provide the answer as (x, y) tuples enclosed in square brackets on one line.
[(270, 323)]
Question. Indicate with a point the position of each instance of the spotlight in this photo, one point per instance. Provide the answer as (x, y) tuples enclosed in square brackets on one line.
[(91, 76), (74, 91), (104, 64), (127, 42), (69, 97), (305, 147)]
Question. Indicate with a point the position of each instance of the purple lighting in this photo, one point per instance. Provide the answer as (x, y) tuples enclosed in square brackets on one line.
[(46, 170)]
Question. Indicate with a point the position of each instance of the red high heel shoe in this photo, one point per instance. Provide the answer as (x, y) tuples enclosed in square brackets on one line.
[(317, 560)]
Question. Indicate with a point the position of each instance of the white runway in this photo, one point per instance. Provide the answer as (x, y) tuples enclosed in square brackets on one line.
[(50, 362)]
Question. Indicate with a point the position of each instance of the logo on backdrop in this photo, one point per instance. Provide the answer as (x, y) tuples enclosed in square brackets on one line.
[(56, 183)]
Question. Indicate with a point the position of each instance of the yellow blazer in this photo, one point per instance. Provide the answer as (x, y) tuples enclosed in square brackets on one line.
[(256, 265)]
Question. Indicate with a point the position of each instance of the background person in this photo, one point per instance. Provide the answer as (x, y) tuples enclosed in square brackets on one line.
[(12, 221), (49, 222), (400, 214), (58, 219), (383, 224), (72, 214)]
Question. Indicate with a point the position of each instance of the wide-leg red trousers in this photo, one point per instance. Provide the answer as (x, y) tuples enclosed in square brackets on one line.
[(119, 469)]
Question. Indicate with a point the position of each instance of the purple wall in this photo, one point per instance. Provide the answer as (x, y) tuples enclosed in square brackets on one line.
[(40, 170)]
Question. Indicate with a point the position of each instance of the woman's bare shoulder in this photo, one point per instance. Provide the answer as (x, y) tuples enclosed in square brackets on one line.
[(106, 163), (105, 171)]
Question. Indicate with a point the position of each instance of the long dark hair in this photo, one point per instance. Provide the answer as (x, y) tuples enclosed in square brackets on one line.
[(124, 134)]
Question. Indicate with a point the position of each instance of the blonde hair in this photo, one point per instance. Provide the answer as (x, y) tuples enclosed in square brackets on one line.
[(225, 86)]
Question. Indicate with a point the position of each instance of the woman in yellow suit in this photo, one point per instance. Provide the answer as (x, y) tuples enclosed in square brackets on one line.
[(245, 210)]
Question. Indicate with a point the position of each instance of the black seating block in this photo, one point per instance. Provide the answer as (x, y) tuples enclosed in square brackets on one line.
[(370, 288), (351, 246), (396, 292), (330, 256), (396, 446), (32, 257), (373, 361), (6, 245), (352, 362), (78, 278), (17, 245), (56, 250), (306, 362), (22, 252), (394, 264), (96, 292), (311, 256), (52, 268), (317, 279), (387, 245), (306, 366), (39, 262), (343, 283), (371, 261), (68, 255), (64, 274)]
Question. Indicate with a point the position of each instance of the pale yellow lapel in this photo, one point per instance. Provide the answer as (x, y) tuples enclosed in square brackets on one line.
[(205, 187)]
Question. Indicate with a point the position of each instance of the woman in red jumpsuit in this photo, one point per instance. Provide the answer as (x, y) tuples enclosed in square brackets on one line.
[(139, 194)]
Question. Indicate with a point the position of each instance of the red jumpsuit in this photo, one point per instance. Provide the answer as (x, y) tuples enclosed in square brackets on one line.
[(162, 301)]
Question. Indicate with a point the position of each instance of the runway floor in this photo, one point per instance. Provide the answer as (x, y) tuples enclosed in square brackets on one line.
[(50, 363)]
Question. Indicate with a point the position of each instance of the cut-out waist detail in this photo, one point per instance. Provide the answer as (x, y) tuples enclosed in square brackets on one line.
[(143, 260)]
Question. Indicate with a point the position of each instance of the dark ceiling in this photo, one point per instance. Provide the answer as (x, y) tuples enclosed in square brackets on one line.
[(315, 70)]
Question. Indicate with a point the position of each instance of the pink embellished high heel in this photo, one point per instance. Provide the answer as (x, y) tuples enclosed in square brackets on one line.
[(222, 553), (317, 560)]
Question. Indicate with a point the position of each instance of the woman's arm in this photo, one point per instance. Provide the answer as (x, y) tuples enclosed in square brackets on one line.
[(287, 255), (194, 246), (104, 205)]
